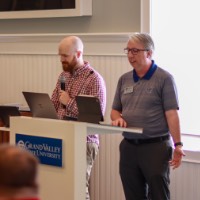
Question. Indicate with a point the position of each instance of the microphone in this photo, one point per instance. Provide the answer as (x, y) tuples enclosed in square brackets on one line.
[(62, 86), (62, 82)]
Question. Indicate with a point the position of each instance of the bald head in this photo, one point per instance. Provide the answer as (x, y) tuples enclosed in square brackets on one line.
[(18, 168), (71, 53), (71, 44)]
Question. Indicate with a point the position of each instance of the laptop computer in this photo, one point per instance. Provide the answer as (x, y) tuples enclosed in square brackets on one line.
[(40, 105), (89, 109), (6, 112)]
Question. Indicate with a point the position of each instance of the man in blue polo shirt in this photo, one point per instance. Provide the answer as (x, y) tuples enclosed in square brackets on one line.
[(146, 97)]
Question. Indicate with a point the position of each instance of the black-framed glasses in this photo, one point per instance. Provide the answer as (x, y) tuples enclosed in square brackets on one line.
[(134, 51)]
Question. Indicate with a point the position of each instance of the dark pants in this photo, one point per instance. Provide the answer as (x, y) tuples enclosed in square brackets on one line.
[(144, 170)]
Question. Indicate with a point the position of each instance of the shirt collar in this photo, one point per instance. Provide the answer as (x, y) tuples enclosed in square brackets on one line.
[(149, 73), (81, 70)]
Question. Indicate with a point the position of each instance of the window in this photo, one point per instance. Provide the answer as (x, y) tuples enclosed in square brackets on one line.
[(175, 30)]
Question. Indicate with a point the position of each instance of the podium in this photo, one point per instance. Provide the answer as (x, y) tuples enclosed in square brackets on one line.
[(68, 181)]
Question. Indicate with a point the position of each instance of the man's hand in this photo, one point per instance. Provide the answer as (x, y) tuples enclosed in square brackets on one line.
[(64, 97), (177, 157), (119, 122)]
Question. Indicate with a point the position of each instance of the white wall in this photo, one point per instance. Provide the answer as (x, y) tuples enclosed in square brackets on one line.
[(28, 61), (23, 68), (175, 30)]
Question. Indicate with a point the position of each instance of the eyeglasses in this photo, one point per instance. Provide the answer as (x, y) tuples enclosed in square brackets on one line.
[(134, 51)]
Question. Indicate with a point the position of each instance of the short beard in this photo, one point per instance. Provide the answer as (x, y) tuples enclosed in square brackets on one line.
[(69, 67)]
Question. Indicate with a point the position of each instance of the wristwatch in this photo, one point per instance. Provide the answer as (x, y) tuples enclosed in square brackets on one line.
[(178, 144)]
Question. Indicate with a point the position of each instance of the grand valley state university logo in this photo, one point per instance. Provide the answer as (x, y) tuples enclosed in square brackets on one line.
[(48, 150)]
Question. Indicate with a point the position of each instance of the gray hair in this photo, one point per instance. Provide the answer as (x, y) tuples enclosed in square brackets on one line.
[(143, 38)]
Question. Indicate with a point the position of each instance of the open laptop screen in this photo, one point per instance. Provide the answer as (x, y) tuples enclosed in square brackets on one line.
[(89, 109), (6, 112), (40, 105)]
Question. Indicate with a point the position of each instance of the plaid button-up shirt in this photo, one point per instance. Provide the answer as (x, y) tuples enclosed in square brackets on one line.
[(84, 80)]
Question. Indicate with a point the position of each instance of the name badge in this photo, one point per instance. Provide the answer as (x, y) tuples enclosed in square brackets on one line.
[(128, 90)]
